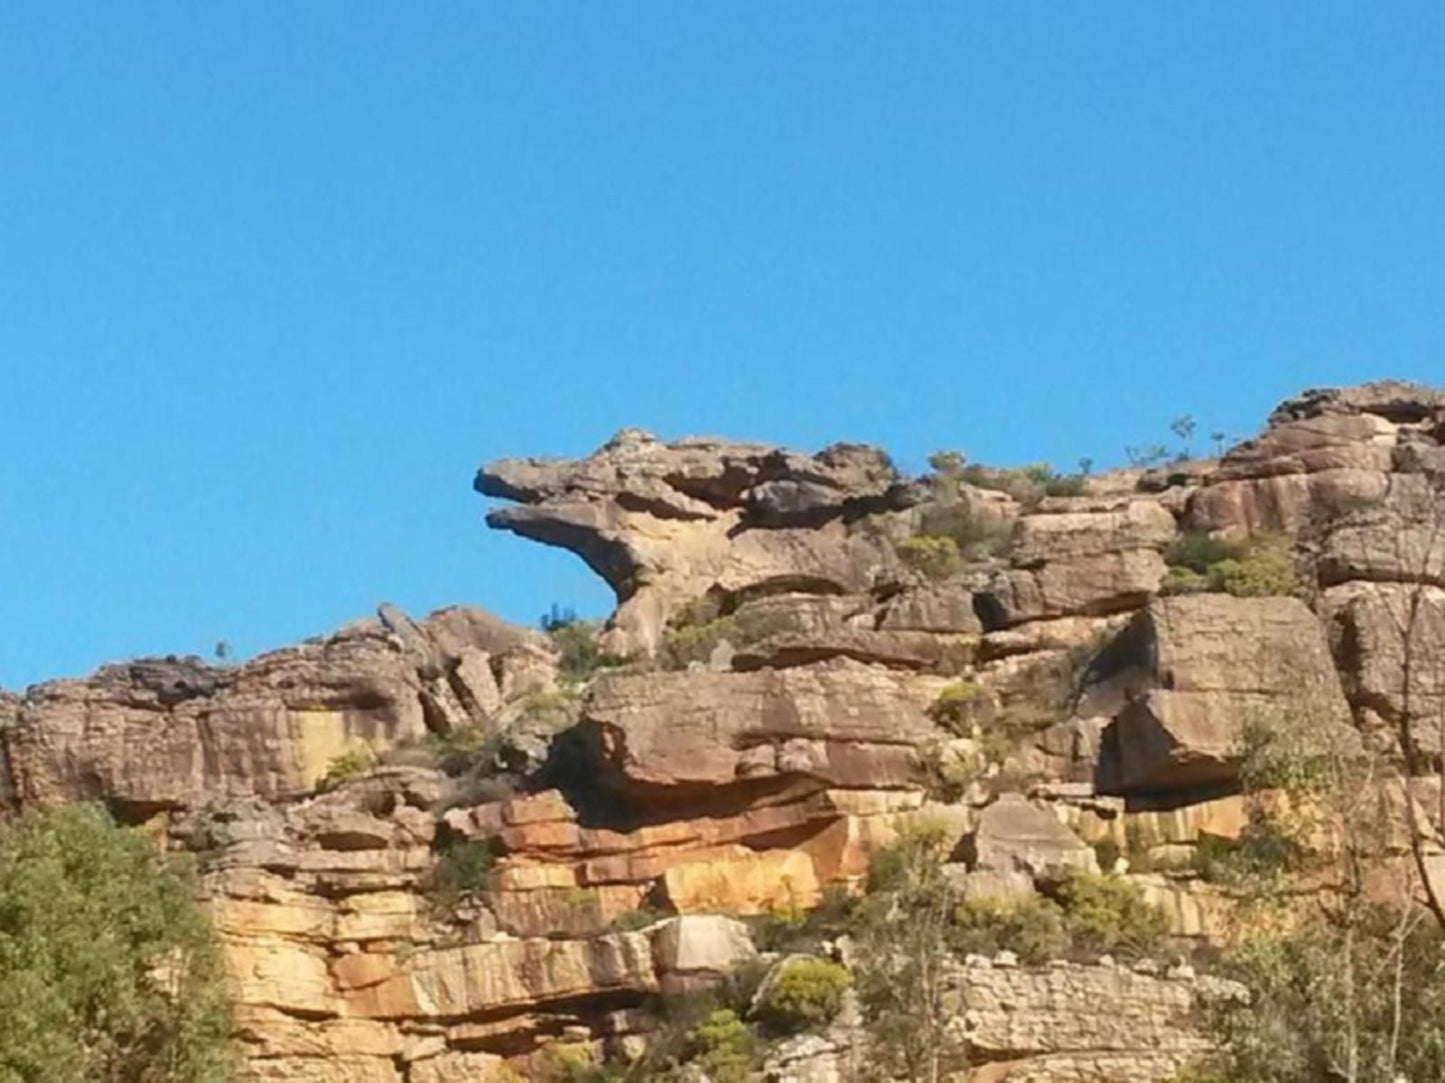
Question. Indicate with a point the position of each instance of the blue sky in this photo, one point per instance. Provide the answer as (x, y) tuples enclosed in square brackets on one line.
[(275, 277)]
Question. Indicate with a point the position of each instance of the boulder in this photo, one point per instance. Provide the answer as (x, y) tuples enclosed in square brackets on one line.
[(695, 951), (1192, 671), (1373, 627), (839, 722), (1093, 585), (1016, 836)]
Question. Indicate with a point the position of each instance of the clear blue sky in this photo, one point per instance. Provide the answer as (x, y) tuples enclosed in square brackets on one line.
[(275, 277)]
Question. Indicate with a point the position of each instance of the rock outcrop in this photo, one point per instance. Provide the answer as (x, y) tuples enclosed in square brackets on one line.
[(666, 523), (163, 734), (809, 654), (1193, 672)]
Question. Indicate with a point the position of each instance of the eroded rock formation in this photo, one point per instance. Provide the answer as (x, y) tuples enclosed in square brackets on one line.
[(809, 653)]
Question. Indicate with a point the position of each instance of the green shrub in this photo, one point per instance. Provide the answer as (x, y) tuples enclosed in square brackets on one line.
[(684, 643), (579, 654), (947, 463), (1364, 1001), (806, 992), (1107, 915), (1183, 581), (949, 772), (458, 751), (935, 556), (960, 706), (641, 918), (553, 708), (1032, 928), (791, 929), (354, 763), (462, 871), (1026, 484), (110, 970), (1068, 485), (976, 537), (1267, 568), (1263, 855), (1199, 551), (723, 1046), (1258, 567)]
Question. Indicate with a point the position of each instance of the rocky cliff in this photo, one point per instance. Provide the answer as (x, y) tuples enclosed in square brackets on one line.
[(443, 849)]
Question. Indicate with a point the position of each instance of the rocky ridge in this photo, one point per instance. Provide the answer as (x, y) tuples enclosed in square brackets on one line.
[(797, 668)]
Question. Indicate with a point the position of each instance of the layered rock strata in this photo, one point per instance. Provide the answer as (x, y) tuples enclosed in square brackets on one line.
[(809, 653)]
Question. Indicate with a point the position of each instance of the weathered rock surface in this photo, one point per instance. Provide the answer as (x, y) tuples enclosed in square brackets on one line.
[(666, 523), (1080, 562), (1325, 454), (840, 722), (1193, 670), (1015, 835), (1084, 1024), (1389, 642), (165, 733), (642, 811)]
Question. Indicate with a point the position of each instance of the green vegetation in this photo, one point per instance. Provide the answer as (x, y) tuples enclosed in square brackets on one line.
[(806, 992), (696, 631), (950, 770), (1026, 484), (462, 871), (1361, 1002), (702, 1034), (579, 654), (552, 709), (1258, 567), (935, 556), (947, 463), (354, 763), (1339, 985), (965, 709), (461, 750), (960, 707), (641, 918), (902, 929), (1087, 915), (792, 929), (1066, 485), (1032, 928), (110, 970), (1107, 915), (723, 1047)]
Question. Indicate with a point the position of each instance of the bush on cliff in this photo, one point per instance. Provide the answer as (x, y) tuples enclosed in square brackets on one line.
[(108, 970), (1255, 568), (806, 992), (934, 556), (1364, 1002), (579, 653), (352, 764)]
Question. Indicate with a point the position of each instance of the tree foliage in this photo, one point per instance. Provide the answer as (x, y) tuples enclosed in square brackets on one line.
[(1363, 1002), (903, 927), (110, 972)]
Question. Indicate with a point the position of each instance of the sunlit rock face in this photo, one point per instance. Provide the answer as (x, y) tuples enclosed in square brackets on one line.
[(527, 853)]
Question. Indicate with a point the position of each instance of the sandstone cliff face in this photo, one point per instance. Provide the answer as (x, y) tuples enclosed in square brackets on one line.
[(163, 734), (773, 714)]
